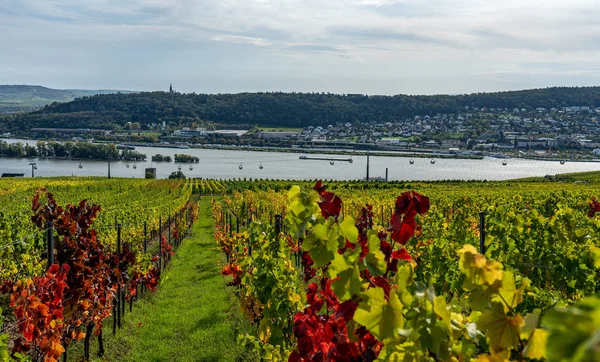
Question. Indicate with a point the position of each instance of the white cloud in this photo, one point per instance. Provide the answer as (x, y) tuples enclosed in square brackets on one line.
[(372, 38), (238, 39)]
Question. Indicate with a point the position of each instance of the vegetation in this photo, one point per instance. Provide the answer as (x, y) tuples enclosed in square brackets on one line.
[(86, 276), (20, 98), (160, 158), (408, 283), (177, 175), (78, 150), (292, 110), (209, 186), (191, 317), (131, 202), (357, 271), (186, 158)]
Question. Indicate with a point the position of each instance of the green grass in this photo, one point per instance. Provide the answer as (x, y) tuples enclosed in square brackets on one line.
[(192, 317), (589, 176), (281, 129)]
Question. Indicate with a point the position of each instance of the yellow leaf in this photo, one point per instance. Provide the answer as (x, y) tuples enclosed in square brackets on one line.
[(295, 190), (478, 269), (536, 346), (494, 357), (509, 294), (501, 331), (443, 311)]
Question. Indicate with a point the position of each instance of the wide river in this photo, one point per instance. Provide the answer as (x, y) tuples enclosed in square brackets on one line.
[(225, 164)]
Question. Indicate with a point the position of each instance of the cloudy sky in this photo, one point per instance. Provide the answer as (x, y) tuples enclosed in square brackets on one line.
[(342, 46)]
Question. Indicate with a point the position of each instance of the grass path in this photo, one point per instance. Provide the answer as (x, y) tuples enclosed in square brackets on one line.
[(192, 316)]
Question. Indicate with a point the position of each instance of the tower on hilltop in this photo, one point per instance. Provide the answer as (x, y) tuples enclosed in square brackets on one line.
[(171, 88)]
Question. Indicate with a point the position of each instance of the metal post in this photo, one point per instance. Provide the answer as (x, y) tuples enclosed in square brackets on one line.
[(482, 232), (109, 169), (50, 237), (160, 243), (230, 225), (299, 254), (367, 167), (115, 316), (179, 227), (278, 224), (237, 224), (100, 345), (119, 291), (145, 237), (119, 239), (33, 168), (386, 174)]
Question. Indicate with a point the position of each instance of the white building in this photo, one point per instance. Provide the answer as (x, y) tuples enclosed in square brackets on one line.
[(187, 132)]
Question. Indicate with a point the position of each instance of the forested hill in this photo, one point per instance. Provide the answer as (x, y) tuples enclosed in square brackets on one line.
[(19, 98), (281, 109)]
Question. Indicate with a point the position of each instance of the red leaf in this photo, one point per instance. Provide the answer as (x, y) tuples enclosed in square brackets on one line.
[(401, 254)]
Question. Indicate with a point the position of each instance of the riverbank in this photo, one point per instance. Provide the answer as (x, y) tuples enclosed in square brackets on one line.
[(421, 154), (399, 153)]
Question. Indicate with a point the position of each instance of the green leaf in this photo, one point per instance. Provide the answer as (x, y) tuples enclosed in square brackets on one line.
[(349, 231), (574, 332), (381, 317), (404, 277), (347, 280), (3, 348), (394, 351), (375, 259), (320, 245), (596, 255)]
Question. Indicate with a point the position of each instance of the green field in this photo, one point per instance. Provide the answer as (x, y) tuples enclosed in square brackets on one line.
[(281, 129)]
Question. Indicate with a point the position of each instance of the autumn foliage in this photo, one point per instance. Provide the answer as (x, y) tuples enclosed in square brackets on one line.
[(77, 292), (324, 329)]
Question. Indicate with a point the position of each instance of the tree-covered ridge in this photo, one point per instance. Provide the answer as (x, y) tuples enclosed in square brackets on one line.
[(22, 97), (282, 109)]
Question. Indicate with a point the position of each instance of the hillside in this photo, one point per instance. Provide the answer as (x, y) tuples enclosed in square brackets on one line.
[(280, 109), (19, 98)]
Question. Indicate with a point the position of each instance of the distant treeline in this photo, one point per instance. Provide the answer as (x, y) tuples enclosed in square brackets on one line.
[(79, 150), (109, 111)]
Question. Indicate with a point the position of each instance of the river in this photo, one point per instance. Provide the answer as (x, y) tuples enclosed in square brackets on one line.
[(225, 164)]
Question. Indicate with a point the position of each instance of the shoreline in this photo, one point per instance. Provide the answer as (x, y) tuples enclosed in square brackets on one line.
[(344, 152)]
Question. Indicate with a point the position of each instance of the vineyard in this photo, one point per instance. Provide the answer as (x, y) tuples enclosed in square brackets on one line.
[(359, 272), (74, 252), (320, 271)]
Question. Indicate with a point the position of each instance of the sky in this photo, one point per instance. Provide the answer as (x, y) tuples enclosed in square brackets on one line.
[(340, 46)]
